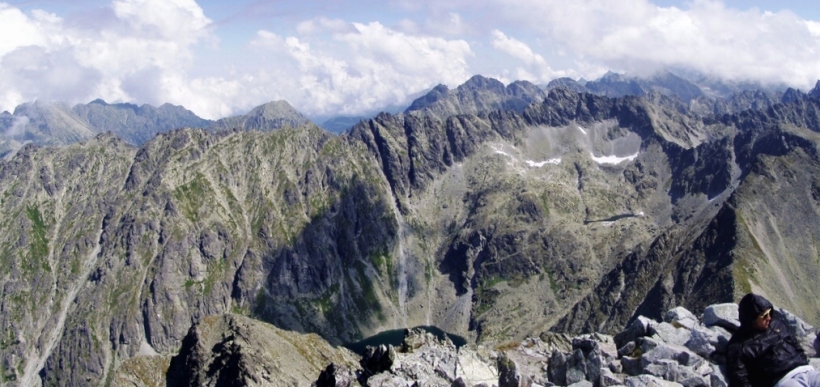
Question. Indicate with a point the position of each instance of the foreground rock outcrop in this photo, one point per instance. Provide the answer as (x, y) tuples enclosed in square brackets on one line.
[(682, 350), (238, 351)]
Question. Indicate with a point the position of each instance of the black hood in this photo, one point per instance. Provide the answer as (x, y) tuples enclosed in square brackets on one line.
[(751, 306)]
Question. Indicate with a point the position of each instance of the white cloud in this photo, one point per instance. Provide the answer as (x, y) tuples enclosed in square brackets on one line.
[(537, 69), (140, 53), (637, 36), (352, 71), (323, 24), (144, 51), (18, 127)]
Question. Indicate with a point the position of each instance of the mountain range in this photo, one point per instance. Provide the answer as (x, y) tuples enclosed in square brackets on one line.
[(492, 212), (55, 123)]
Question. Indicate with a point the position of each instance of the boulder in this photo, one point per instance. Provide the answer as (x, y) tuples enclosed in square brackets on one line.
[(722, 315), (386, 379), (681, 317), (801, 330), (641, 327), (508, 375), (377, 359), (648, 381), (610, 378), (671, 334), (672, 371), (628, 349), (557, 368), (723, 338), (337, 376), (718, 376), (798, 327), (703, 341), (663, 351), (631, 365)]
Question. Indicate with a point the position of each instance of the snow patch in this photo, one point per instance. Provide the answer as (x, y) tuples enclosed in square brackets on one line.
[(503, 153), (533, 164), (612, 159), (540, 164)]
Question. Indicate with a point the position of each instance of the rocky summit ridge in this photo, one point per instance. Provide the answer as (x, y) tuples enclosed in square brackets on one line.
[(577, 213), (681, 350)]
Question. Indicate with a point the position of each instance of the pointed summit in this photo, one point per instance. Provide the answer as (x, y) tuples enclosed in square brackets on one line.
[(270, 116), (815, 92)]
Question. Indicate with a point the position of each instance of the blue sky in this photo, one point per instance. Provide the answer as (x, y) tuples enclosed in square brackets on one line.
[(330, 58)]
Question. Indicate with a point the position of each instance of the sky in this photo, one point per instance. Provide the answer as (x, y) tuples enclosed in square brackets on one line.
[(354, 58)]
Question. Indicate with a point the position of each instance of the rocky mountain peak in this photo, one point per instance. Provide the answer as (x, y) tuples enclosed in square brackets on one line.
[(567, 83), (664, 82), (479, 82), (479, 94), (275, 109), (270, 116), (815, 92)]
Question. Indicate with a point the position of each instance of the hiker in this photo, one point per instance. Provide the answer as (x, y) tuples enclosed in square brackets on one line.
[(763, 352)]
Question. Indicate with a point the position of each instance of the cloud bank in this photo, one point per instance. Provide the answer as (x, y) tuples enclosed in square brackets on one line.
[(148, 51)]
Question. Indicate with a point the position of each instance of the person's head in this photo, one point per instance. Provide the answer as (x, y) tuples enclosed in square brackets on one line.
[(755, 312)]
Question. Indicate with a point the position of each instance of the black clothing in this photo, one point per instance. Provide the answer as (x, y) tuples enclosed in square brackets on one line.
[(761, 358), (751, 306)]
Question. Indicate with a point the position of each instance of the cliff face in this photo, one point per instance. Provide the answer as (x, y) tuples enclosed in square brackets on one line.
[(577, 213)]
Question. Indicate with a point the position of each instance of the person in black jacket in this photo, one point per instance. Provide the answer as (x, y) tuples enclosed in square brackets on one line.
[(763, 352)]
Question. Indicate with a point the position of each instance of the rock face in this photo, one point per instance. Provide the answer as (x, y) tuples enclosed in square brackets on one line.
[(238, 351), (577, 213)]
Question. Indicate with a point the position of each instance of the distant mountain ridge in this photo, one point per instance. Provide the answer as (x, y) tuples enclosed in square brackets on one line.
[(137, 124), (478, 94), (56, 124), (270, 116)]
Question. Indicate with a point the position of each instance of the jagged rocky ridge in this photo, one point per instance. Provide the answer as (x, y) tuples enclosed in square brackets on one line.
[(681, 350), (577, 214)]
